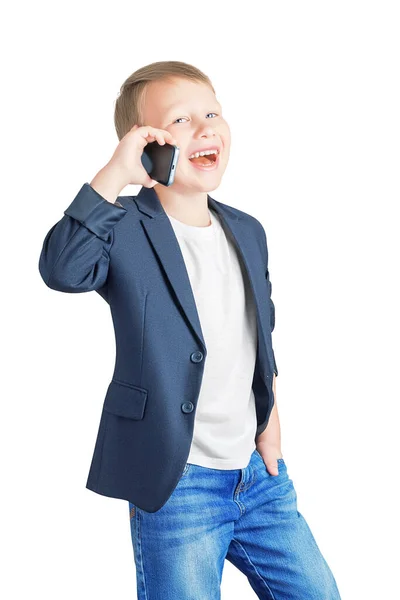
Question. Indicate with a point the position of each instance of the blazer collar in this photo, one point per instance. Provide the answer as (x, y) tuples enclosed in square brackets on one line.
[(149, 203)]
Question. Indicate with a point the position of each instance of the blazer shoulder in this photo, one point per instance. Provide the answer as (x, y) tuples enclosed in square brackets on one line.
[(248, 218)]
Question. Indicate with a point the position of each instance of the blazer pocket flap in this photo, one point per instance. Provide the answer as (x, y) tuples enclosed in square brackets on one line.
[(125, 400)]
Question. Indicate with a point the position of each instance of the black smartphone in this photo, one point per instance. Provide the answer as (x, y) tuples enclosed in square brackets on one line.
[(160, 161)]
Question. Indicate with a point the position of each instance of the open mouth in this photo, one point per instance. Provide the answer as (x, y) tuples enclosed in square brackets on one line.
[(205, 161)]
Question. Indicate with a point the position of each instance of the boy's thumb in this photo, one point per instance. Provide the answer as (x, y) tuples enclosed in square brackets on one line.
[(150, 183)]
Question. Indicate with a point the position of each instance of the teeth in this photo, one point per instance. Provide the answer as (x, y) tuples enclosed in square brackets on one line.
[(197, 154)]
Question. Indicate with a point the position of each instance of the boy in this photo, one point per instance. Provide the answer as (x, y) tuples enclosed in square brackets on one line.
[(189, 432)]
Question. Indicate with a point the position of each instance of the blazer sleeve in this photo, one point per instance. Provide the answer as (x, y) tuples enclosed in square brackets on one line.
[(75, 252), (269, 298)]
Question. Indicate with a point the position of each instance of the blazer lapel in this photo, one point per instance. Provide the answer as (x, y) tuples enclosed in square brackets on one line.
[(162, 237)]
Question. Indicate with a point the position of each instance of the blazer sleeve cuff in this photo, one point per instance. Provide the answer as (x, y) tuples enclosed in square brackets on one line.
[(94, 212)]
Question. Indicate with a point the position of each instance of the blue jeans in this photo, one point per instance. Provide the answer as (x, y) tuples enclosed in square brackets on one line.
[(244, 515)]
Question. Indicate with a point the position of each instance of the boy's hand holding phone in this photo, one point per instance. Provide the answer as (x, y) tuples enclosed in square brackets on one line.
[(125, 166)]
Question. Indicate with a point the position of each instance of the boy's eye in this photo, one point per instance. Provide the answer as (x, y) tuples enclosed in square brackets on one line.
[(185, 117)]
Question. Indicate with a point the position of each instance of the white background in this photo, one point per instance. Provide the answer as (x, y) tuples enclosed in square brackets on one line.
[(311, 93)]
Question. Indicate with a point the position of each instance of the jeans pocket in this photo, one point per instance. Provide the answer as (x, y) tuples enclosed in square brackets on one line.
[(281, 461), (132, 510)]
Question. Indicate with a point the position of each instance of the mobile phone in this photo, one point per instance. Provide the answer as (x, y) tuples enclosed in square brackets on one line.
[(160, 161)]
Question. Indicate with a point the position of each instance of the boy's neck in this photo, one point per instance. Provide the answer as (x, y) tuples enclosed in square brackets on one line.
[(189, 208)]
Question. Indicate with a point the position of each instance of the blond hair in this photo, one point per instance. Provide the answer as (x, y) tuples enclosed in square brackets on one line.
[(130, 101)]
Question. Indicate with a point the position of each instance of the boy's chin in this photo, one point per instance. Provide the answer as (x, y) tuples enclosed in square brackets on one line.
[(200, 184)]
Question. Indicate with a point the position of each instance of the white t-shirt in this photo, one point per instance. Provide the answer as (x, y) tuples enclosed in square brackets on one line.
[(225, 421)]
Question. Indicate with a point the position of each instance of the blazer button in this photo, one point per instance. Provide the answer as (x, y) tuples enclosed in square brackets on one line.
[(187, 407), (196, 356)]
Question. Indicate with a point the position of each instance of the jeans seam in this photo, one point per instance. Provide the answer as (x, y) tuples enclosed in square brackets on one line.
[(255, 568), (140, 553)]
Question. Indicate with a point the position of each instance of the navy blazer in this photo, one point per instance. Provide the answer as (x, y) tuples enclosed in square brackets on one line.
[(129, 254)]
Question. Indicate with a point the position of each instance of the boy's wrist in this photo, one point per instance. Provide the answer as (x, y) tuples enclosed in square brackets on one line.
[(109, 182), (269, 448)]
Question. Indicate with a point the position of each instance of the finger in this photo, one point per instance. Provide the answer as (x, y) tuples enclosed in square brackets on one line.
[(164, 137), (172, 140), (273, 468), (150, 183), (148, 132), (161, 135)]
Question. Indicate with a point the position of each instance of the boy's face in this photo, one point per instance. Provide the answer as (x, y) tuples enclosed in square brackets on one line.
[(191, 113)]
